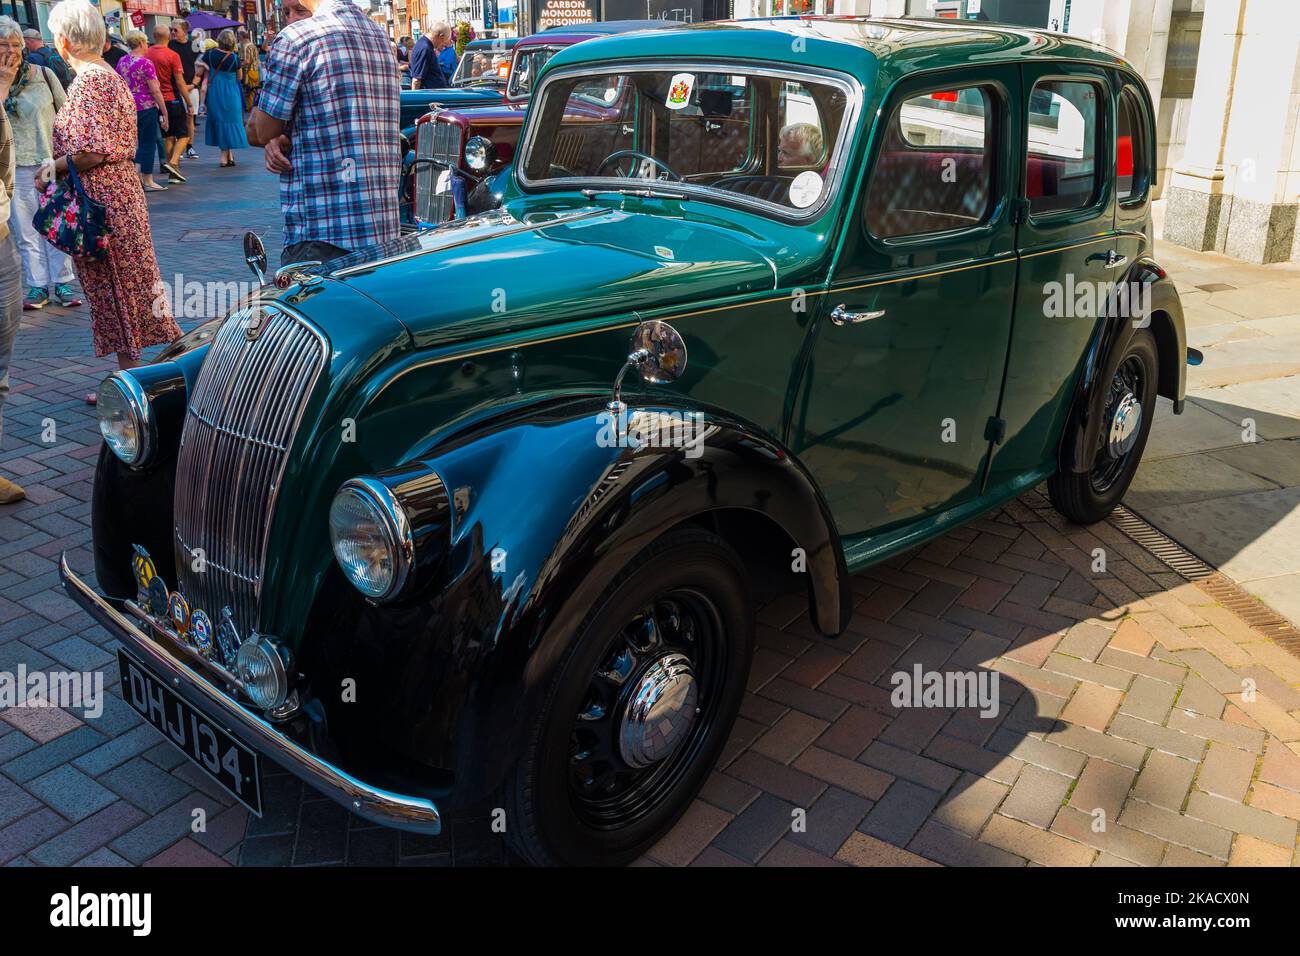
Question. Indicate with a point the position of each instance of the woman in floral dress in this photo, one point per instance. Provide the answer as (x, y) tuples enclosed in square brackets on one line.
[(96, 129)]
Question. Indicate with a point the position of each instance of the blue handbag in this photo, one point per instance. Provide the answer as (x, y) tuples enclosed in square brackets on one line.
[(72, 221)]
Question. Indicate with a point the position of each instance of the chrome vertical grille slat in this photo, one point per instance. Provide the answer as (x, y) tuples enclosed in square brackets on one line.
[(441, 142), (244, 410)]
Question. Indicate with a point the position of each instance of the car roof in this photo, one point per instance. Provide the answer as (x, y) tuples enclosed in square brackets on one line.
[(497, 44), (862, 46), (575, 33)]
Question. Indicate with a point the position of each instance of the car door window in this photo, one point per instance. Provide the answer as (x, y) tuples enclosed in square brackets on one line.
[(1131, 161), (934, 172), (1061, 172)]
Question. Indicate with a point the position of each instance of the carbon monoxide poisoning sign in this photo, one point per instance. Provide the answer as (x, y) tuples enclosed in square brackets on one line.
[(564, 13)]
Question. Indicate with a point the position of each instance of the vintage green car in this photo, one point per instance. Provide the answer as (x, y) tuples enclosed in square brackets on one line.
[(480, 518)]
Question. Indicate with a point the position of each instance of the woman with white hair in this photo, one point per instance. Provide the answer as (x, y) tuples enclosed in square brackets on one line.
[(34, 96), (96, 131)]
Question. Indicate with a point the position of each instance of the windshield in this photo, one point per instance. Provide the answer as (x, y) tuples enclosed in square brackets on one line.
[(484, 65), (525, 69), (745, 133)]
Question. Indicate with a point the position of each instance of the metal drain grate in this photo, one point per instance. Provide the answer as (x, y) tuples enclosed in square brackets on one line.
[(1225, 591)]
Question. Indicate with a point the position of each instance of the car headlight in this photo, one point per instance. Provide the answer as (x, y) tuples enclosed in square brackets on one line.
[(263, 671), (124, 419), (371, 538), (480, 153)]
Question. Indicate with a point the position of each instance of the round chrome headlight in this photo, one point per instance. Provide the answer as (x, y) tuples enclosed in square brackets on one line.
[(371, 538), (262, 671), (123, 411), (480, 152)]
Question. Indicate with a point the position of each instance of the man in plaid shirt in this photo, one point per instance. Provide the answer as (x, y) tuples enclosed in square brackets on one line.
[(328, 117)]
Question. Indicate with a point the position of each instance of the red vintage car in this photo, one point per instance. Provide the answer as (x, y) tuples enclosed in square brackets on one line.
[(448, 184)]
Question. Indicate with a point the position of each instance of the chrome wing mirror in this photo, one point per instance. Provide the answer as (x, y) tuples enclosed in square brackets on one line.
[(657, 353), (255, 256)]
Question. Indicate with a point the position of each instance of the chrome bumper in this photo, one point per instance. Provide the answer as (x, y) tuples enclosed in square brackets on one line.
[(416, 814)]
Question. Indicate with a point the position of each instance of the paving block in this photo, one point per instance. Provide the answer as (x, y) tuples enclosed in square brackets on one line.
[(1160, 738), (749, 836), (1039, 846), (1036, 797), (693, 832), (949, 847), (1252, 851), (1234, 735), (1242, 819), (830, 821), (1092, 706), (1102, 786), (968, 806), (863, 850), (900, 812), (1174, 827), (1226, 772), (70, 792), (844, 773), (1104, 833)]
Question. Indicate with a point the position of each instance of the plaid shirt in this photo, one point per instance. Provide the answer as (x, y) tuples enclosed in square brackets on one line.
[(333, 77)]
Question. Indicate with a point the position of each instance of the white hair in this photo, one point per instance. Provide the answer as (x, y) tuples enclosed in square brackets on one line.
[(9, 28), (80, 24), (436, 27)]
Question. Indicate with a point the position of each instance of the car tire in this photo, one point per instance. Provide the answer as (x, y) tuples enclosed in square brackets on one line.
[(572, 799), (1088, 497)]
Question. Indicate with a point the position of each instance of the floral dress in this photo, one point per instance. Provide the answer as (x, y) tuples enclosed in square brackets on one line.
[(128, 310)]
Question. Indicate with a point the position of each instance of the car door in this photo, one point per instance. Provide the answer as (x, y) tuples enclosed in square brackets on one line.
[(1068, 259), (907, 363)]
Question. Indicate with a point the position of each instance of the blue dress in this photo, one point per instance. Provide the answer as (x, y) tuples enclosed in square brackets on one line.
[(224, 127)]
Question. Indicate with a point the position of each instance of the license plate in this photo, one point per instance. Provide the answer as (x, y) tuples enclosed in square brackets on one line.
[(221, 756)]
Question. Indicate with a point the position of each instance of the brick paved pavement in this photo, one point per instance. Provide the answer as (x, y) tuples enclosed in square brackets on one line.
[(1130, 697)]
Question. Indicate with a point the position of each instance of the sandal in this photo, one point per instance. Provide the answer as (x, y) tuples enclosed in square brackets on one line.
[(155, 189)]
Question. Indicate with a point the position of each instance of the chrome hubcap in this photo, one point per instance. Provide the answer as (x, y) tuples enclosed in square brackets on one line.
[(660, 711), (1125, 422)]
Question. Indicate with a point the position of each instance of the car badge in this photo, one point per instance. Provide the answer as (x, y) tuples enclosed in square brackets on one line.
[(254, 323), (143, 567), (201, 632), (179, 611), (227, 639), (158, 597)]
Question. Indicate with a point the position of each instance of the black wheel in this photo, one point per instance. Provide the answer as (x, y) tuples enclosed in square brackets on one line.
[(1126, 407), (639, 708)]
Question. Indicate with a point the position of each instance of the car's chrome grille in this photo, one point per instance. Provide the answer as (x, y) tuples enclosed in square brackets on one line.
[(439, 142), (243, 412)]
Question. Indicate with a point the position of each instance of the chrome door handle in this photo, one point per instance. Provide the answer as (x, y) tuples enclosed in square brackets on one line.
[(1109, 259), (841, 316)]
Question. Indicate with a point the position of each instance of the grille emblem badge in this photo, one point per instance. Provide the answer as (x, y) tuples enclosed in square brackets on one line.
[(201, 632), (254, 322), (227, 639)]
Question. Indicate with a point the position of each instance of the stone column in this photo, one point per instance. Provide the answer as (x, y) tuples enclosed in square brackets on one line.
[(1261, 167), (1195, 193)]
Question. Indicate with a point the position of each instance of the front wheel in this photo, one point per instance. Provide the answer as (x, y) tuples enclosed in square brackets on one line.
[(1126, 406), (639, 709)]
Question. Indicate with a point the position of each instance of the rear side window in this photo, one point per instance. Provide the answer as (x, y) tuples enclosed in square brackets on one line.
[(934, 172), (1131, 160), (1061, 171)]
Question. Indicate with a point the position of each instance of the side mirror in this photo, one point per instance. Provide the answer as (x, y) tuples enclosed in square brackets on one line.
[(658, 354), (255, 255)]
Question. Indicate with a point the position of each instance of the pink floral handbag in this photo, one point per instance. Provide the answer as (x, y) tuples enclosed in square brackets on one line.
[(72, 221)]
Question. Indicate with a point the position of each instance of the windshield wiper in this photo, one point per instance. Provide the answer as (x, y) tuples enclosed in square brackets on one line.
[(630, 191)]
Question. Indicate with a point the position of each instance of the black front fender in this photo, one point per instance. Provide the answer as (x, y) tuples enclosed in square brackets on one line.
[(544, 513), (1162, 312)]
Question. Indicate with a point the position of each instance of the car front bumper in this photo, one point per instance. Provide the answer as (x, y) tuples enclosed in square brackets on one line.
[(416, 814)]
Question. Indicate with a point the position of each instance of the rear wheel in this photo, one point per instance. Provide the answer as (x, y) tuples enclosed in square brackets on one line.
[(639, 708), (1126, 406)]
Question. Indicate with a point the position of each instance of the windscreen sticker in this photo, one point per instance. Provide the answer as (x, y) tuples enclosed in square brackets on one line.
[(679, 90), (806, 189)]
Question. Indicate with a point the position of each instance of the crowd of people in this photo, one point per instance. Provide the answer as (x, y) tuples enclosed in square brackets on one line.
[(323, 105)]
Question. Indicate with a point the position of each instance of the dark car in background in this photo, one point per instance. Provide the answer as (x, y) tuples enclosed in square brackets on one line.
[(480, 80), (443, 182)]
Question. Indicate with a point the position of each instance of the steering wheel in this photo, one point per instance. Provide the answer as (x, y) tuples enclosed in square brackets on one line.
[(636, 154)]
